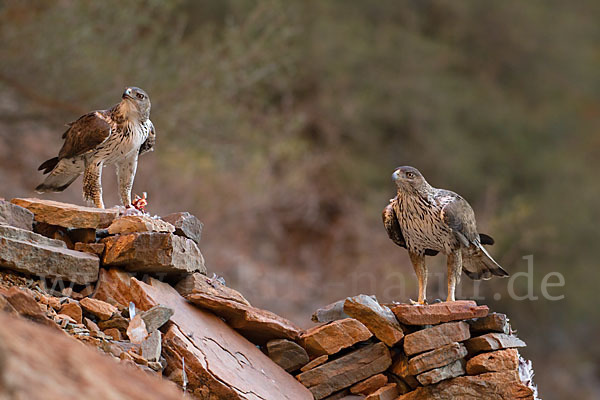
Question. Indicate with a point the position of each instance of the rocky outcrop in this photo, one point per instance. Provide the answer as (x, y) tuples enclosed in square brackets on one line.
[(139, 223), (68, 215), (34, 254), (379, 319), (198, 283), (346, 370), (38, 362), (14, 215), (217, 359), (257, 325), (438, 313), (152, 252), (146, 302), (186, 225), (335, 336)]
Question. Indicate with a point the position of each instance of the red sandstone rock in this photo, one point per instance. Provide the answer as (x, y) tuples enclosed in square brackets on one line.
[(494, 322), (113, 287), (153, 252), (434, 337), (433, 314), (378, 319), (334, 336), (99, 308), (40, 363), (496, 361), (347, 370), (73, 310), (67, 215), (452, 370), (315, 363), (436, 358), (91, 248), (369, 385), (257, 325), (493, 341), (388, 392), (139, 223), (491, 386), (218, 360), (34, 254), (114, 333), (198, 283)]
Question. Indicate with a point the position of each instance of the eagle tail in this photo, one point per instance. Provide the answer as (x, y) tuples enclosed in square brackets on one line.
[(48, 165), (62, 174), (479, 264)]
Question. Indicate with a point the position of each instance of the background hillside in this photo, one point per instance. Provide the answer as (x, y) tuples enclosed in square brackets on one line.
[(279, 124)]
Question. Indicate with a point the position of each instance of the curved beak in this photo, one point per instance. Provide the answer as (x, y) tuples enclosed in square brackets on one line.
[(128, 93), (396, 175)]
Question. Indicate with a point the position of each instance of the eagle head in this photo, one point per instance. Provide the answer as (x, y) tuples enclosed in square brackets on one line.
[(135, 104), (409, 179)]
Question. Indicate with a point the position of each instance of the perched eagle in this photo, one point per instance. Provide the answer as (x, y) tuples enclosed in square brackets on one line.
[(114, 136), (426, 221)]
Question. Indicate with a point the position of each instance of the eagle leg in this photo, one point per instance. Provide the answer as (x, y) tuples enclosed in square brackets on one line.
[(126, 173), (92, 183), (418, 262), (454, 271)]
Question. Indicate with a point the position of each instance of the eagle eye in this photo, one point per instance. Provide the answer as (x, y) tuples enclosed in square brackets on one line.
[(410, 175), (140, 96)]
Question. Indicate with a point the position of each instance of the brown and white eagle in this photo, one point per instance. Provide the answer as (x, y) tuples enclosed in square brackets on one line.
[(114, 136), (426, 221)]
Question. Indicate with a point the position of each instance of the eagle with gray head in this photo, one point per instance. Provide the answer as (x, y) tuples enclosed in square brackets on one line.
[(427, 221), (100, 138)]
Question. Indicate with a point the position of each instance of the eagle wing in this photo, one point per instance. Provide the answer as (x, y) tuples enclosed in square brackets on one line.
[(148, 145), (85, 134), (392, 226), (458, 215)]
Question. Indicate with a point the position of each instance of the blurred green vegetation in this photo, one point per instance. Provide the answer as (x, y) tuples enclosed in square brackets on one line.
[(279, 124)]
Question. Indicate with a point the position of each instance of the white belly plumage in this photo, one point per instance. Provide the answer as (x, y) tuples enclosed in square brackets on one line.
[(121, 145)]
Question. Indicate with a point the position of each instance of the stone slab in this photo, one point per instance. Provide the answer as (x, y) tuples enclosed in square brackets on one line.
[(37, 255), (287, 354), (457, 368), (491, 386), (334, 336), (433, 314), (496, 361), (436, 336), (494, 322), (492, 342), (14, 215), (152, 252), (436, 358), (186, 225), (347, 370), (257, 325), (67, 215), (139, 223), (202, 284), (378, 319), (218, 360)]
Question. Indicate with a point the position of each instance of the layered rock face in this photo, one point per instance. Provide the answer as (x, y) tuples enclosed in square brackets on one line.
[(136, 287)]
